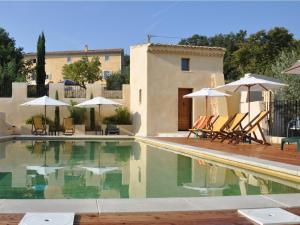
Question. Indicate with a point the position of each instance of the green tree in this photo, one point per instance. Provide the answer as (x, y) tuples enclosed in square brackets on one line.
[(40, 65), (253, 54), (83, 71), (12, 65), (285, 60), (57, 116), (78, 114), (92, 116)]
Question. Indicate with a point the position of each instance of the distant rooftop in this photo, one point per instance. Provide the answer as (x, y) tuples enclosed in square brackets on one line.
[(187, 46), (81, 52)]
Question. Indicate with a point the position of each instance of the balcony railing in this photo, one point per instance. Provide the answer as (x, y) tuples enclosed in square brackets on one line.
[(74, 91)]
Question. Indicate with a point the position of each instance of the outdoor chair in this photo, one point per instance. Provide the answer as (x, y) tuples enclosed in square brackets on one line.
[(217, 125), (99, 130), (201, 123), (293, 128), (68, 126), (112, 129), (38, 127), (249, 131), (235, 123)]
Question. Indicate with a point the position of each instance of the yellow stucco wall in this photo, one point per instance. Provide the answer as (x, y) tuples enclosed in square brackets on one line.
[(55, 63), (157, 71)]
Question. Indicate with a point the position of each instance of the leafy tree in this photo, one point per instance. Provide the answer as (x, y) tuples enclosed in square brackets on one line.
[(92, 116), (255, 53), (40, 65), (116, 80), (83, 71), (285, 60), (12, 66), (57, 116)]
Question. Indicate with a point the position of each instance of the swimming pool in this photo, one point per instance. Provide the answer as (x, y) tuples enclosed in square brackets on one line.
[(82, 169)]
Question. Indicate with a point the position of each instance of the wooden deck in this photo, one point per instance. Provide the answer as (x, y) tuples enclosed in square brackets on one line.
[(271, 152), (230, 217)]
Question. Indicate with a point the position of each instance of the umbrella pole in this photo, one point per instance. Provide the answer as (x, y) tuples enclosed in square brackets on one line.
[(206, 99), (99, 123), (45, 123), (249, 100)]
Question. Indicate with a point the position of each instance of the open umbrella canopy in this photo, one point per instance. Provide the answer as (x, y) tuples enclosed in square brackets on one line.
[(206, 92), (294, 69), (44, 101), (100, 170), (97, 101), (209, 92), (252, 81), (44, 170)]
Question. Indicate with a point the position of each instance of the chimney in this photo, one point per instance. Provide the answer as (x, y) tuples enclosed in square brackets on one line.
[(86, 48)]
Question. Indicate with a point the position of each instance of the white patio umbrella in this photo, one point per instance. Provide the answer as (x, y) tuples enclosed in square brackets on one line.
[(97, 101), (294, 69), (44, 101), (44, 170), (251, 82), (100, 170), (206, 92)]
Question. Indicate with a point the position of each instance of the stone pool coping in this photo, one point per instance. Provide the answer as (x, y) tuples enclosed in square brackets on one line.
[(282, 170), (276, 169), (150, 204)]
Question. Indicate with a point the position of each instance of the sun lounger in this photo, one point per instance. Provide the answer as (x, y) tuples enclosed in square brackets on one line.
[(217, 125), (235, 123), (68, 126), (201, 122), (249, 131), (38, 127)]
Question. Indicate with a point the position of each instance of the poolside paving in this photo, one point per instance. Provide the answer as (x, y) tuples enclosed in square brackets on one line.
[(267, 152)]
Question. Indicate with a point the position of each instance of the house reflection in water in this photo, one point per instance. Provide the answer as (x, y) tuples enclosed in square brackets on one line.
[(124, 169)]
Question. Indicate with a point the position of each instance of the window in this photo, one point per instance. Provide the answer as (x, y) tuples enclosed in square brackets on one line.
[(49, 76), (106, 74), (185, 64), (69, 59), (106, 58), (140, 96)]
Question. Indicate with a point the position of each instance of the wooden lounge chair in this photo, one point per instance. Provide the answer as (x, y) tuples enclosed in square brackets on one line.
[(249, 131), (68, 126), (217, 125), (204, 123), (196, 125), (235, 123), (38, 127)]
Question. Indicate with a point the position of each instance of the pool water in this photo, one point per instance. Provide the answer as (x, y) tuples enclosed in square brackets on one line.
[(119, 169)]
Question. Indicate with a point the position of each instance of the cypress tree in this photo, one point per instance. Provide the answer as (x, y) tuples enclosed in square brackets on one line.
[(92, 116), (57, 117), (40, 66)]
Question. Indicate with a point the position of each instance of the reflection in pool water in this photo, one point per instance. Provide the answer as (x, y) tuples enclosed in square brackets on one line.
[(118, 169)]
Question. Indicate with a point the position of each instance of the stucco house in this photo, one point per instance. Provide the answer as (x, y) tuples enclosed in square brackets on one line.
[(159, 77), (111, 61)]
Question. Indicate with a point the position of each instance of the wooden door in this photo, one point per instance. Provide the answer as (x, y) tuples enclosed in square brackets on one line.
[(184, 109)]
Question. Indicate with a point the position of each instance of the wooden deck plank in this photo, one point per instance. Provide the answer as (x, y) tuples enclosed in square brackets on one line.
[(228, 217), (272, 152)]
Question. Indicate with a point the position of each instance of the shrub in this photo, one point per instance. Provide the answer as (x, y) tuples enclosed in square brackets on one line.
[(116, 80), (122, 116), (78, 114), (48, 121)]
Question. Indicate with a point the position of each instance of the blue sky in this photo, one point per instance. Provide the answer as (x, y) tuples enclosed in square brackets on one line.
[(71, 25)]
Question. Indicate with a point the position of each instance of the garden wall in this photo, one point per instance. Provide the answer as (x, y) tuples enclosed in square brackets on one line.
[(16, 115)]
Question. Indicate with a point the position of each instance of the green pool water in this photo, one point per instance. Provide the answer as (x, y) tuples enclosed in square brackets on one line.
[(119, 169)]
